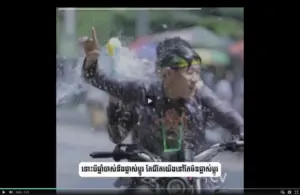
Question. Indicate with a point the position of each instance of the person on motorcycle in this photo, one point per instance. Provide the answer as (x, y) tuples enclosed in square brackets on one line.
[(175, 119)]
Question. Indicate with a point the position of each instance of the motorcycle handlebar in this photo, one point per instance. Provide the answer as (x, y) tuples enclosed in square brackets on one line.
[(120, 155), (230, 144), (209, 153), (102, 154)]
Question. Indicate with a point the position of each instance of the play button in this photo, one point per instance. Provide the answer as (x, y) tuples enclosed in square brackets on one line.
[(150, 101)]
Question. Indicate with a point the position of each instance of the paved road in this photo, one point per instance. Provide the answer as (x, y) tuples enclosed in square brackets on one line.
[(75, 141)]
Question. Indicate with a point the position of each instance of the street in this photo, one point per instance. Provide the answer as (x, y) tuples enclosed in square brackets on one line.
[(75, 140)]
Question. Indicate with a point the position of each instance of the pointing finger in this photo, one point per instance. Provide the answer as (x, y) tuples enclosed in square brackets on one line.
[(94, 36)]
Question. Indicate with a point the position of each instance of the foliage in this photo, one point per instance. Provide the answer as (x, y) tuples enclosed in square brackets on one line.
[(109, 22), (233, 13), (223, 21), (224, 27)]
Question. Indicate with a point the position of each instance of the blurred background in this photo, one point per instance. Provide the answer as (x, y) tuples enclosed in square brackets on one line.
[(216, 34)]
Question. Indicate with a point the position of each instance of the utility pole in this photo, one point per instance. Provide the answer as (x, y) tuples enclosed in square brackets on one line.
[(142, 23), (69, 32), (69, 41)]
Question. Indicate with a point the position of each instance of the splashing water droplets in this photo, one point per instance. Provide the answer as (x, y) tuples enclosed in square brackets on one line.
[(71, 85), (126, 66)]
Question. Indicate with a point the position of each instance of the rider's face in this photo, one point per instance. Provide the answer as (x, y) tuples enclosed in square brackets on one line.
[(181, 82)]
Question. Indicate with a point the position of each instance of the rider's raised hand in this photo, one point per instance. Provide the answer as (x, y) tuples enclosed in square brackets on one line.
[(91, 47)]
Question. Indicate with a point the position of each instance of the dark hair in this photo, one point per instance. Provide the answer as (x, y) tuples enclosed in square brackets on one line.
[(170, 49)]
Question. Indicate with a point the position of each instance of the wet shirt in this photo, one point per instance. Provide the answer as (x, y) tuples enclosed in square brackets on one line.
[(154, 119), (121, 120)]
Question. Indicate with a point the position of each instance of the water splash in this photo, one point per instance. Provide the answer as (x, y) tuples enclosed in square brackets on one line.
[(125, 63), (71, 85)]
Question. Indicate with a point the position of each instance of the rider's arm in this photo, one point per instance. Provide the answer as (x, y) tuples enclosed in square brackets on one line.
[(117, 129), (126, 91), (224, 114)]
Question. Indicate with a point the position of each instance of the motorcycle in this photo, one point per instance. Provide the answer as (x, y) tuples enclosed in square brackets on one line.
[(174, 186)]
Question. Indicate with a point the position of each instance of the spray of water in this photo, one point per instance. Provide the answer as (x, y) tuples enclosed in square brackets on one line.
[(71, 85), (125, 65)]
